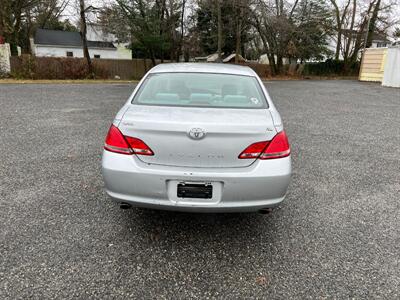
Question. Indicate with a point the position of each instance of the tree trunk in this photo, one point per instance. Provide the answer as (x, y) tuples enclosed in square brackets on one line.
[(238, 32), (15, 34), (266, 46), (180, 49), (349, 42), (28, 32), (219, 31), (145, 64), (83, 31), (338, 28), (272, 64), (153, 57), (339, 24), (162, 31), (338, 44), (174, 55), (361, 36), (372, 24), (279, 64)]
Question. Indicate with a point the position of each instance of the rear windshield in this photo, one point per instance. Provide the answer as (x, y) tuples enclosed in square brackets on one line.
[(201, 89)]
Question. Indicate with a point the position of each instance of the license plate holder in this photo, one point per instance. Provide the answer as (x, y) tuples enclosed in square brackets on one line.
[(194, 190)]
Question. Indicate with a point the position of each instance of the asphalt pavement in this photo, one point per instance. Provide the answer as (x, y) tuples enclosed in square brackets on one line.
[(337, 235)]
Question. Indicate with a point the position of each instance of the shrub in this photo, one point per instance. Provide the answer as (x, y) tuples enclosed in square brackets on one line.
[(331, 67), (262, 70), (60, 68), (30, 67), (23, 67)]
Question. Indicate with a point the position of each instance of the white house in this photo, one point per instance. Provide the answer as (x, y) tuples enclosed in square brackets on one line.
[(232, 58), (96, 32), (209, 58), (57, 43), (214, 58), (264, 59)]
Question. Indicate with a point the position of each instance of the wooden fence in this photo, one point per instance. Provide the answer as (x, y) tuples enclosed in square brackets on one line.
[(125, 69), (27, 66)]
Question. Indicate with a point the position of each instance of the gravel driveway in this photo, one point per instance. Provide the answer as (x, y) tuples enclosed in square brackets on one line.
[(337, 235)]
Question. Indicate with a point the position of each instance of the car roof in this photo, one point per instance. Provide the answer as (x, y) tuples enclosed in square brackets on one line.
[(218, 68)]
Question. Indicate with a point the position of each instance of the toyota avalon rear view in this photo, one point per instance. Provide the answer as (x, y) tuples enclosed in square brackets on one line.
[(198, 137)]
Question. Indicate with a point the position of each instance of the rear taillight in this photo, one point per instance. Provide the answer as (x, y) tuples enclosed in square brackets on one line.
[(138, 146), (277, 148), (254, 150), (117, 142)]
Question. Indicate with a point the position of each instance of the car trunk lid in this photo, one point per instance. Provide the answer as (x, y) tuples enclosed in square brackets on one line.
[(222, 134)]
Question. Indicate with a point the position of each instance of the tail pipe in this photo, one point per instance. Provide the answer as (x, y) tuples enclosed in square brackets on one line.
[(265, 211), (125, 205)]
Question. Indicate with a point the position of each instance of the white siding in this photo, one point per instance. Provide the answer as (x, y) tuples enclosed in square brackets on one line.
[(264, 60), (123, 52), (41, 50)]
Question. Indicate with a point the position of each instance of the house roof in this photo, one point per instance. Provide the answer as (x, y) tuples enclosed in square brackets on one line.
[(213, 57), (65, 38), (232, 57)]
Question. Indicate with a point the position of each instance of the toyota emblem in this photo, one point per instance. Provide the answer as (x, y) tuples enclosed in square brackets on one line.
[(197, 133)]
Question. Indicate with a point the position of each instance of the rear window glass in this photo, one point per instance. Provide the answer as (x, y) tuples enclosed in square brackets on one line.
[(201, 89)]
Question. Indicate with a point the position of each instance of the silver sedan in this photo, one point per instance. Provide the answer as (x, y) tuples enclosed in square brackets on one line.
[(200, 138)]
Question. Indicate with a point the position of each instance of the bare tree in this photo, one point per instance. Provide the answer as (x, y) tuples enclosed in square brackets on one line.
[(372, 23), (48, 9), (356, 24), (272, 21), (348, 43), (19, 19), (156, 27), (340, 17)]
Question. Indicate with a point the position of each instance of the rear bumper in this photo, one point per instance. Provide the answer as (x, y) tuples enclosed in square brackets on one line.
[(261, 185)]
